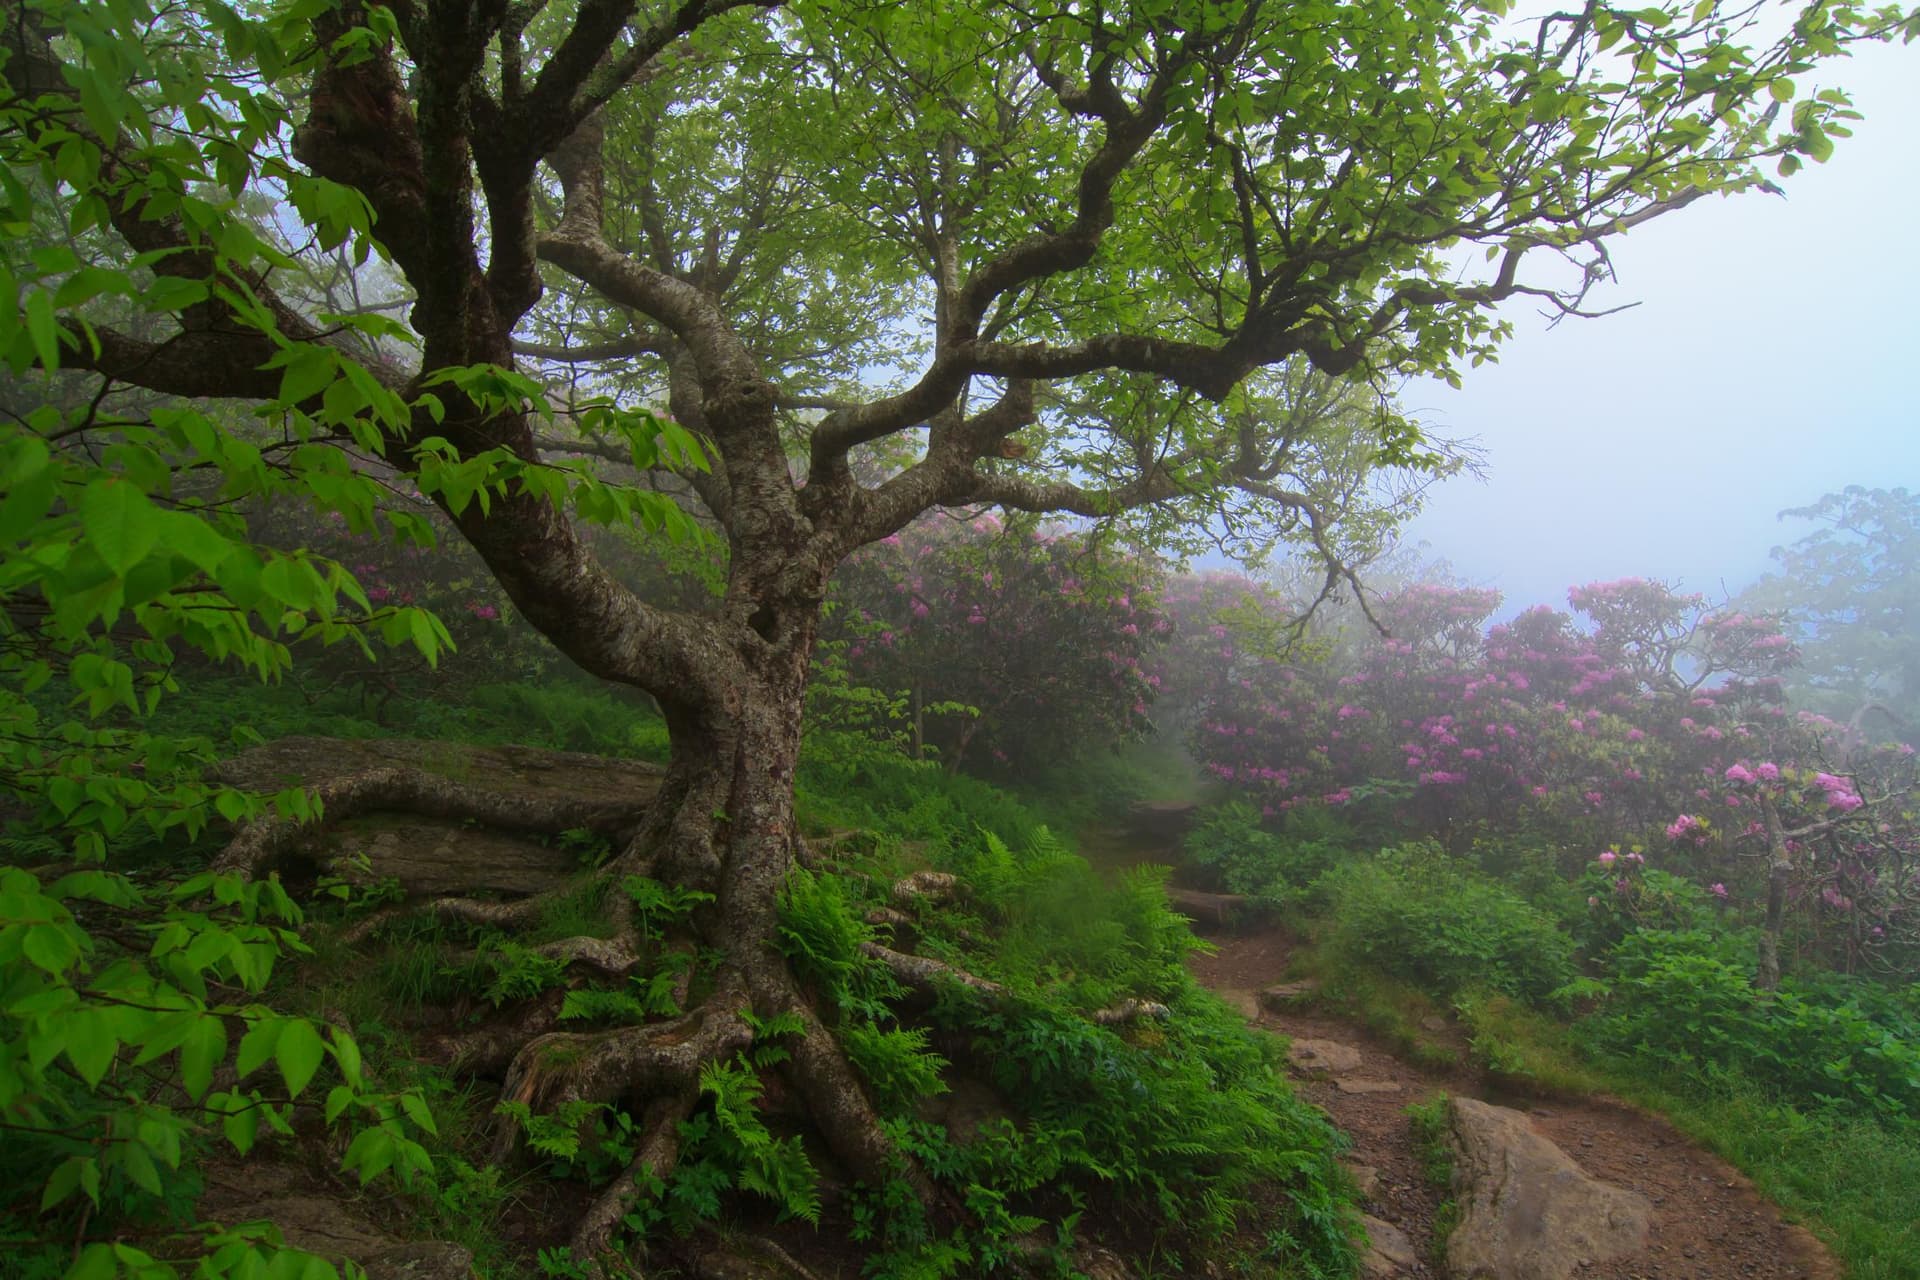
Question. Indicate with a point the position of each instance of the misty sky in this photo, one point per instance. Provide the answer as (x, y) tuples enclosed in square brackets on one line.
[(1775, 357)]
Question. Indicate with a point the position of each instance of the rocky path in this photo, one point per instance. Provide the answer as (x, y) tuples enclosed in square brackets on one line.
[(1702, 1219)]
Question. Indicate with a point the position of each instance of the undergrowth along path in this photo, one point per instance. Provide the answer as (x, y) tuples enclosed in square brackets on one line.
[(1709, 1223)]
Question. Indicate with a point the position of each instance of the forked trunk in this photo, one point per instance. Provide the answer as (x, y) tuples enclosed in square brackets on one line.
[(725, 823)]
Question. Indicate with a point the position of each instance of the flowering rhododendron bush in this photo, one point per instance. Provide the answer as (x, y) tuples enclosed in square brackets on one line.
[(1651, 727), (1011, 646)]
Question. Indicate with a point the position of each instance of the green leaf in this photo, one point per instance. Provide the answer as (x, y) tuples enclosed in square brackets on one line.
[(121, 523), (91, 1044), (139, 1167), (299, 1053), (76, 1173), (417, 1111), (190, 536), (309, 370), (203, 1050), (242, 1128), (258, 1044), (50, 946), (43, 329), (96, 1262)]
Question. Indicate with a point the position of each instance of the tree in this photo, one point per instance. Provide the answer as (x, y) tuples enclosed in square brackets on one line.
[(1027, 646), (1852, 587), (1047, 259)]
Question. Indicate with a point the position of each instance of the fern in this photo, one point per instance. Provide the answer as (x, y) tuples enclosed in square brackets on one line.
[(822, 934), (513, 972), (896, 1063), (657, 904), (556, 1135), (776, 1168), (766, 1030), (590, 1004)]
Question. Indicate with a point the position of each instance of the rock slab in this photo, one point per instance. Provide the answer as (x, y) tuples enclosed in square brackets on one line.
[(1323, 1057), (1527, 1211), (1283, 996), (1389, 1253)]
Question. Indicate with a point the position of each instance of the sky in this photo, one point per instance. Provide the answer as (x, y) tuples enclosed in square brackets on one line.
[(1774, 356)]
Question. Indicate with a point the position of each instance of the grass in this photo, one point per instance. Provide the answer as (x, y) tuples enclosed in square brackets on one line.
[(1430, 1121)]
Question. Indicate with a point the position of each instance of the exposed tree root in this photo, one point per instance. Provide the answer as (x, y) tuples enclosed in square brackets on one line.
[(1132, 1009), (593, 1237), (922, 973), (655, 1066), (515, 914), (491, 1050), (748, 1260), (615, 957), (267, 841), (926, 974), (838, 1103), (644, 1061), (926, 886)]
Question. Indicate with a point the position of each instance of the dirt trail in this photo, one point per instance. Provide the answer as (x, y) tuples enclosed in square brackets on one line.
[(1709, 1222)]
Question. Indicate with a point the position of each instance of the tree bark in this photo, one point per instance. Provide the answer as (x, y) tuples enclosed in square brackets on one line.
[(1779, 871)]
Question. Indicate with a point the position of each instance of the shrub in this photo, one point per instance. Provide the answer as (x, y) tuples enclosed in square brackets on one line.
[(1275, 867), (1412, 914), (1681, 998)]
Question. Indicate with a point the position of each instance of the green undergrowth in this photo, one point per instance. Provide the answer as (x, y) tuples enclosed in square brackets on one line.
[(1569, 989), (1168, 1134)]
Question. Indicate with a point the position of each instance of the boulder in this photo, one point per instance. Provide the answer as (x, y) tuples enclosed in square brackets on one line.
[(618, 785), (1163, 821), (1527, 1211), (1097, 1262), (433, 858)]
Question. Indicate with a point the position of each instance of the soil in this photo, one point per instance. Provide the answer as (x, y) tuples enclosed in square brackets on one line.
[(1709, 1223)]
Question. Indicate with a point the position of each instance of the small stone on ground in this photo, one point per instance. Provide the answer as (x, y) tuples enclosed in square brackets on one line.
[(1328, 1056), (1389, 1252), (1346, 1085)]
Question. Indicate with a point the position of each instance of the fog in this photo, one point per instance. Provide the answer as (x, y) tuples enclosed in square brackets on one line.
[(1769, 361)]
